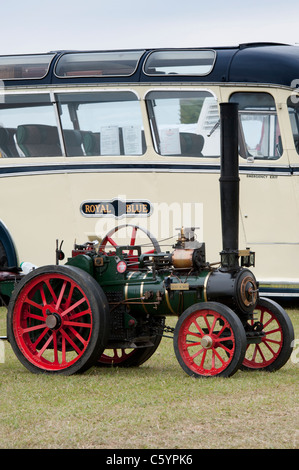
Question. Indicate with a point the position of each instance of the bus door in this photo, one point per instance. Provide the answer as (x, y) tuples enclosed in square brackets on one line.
[(266, 192)]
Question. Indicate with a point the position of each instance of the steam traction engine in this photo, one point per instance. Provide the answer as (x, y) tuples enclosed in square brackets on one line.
[(107, 305)]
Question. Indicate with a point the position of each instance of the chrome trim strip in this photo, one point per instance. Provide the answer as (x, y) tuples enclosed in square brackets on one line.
[(129, 166), (127, 285), (141, 293), (205, 296), (168, 302)]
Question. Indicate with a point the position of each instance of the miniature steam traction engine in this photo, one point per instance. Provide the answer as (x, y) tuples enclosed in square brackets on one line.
[(107, 306)]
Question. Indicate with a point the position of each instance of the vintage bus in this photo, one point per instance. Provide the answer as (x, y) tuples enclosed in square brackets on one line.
[(96, 140)]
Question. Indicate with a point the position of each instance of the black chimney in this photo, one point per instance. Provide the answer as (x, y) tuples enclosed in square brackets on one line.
[(229, 185)]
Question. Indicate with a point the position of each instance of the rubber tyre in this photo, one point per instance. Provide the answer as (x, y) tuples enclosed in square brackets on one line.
[(276, 346), (75, 301), (222, 328)]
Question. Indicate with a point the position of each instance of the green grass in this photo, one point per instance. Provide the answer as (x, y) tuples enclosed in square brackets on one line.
[(155, 406)]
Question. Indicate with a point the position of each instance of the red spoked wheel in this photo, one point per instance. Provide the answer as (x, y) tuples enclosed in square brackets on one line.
[(209, 341), (58, 320), (132, 236), (116, 357), (275, 348), (119, 357)]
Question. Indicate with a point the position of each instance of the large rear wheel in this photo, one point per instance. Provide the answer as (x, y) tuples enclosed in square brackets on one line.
[(58, 320)]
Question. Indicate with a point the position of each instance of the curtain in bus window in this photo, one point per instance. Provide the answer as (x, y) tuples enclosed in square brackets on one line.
[(184, 123), (101, 123), (259, 133), (293, 107), (28, 127)]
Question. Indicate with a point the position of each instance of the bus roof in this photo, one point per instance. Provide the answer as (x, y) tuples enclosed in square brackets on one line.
[(263, 63)]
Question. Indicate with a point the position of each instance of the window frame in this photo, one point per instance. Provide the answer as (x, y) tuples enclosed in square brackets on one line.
[(89, 54), (12, 61), (153, 124), (184, 53), (106, 91), (296, 117), (32, 99), (243, 152)]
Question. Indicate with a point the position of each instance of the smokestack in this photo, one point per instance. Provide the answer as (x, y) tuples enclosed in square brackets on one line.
[(229, 185)]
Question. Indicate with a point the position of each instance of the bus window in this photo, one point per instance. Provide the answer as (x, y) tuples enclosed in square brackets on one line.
[(98, 64), (101, 123), (184, 123), (259, 136), (28, 127), (293, 107), (19, 67), (180, 62)]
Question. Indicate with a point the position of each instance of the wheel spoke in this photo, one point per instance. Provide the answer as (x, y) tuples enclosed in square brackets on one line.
[(45, 346), (78, 336), (33, 304), (213, 326), (30, 329), (130, 240), (117, 356), (70, 296), (80, 324), (79, 314), (201, 333), (198, 353), (73, 307), (265, 354), (198, 335), (221, 358), (133, 239), (267, 345), (63, 350), (42, 293), (111, 241), (40, 337), (47, 282), (71, 342), (55, 348), (35, 317), (57, 306)]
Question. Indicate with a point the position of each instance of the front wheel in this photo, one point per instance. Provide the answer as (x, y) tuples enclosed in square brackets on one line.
[(58, 320), (275, 347), (209, 340)]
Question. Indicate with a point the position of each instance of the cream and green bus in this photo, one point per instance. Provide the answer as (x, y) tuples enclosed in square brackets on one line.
[(96, 143)]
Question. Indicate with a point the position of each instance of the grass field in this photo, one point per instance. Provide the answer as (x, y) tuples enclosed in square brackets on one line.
[(155, 406)]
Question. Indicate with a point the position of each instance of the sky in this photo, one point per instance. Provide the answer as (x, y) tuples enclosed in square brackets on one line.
[(35, 26)]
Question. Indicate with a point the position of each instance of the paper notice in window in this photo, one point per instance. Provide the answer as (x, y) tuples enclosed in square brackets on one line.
[(110, 140), (170, 141), (132, 140)]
